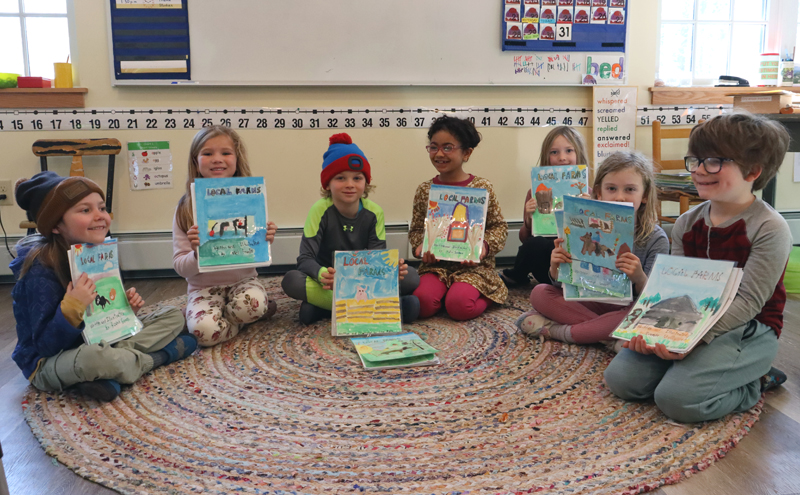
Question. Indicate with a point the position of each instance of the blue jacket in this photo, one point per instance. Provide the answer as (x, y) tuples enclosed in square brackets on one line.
[(42, 330)]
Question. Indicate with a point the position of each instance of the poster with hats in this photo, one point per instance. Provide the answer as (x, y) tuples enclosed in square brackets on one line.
[(455, 222)]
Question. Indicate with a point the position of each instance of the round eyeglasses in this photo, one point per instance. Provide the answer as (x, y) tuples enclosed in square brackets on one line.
[(447, 148), (713, 164)]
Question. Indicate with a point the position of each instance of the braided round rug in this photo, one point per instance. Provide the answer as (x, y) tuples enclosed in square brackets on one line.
[(287, 409)]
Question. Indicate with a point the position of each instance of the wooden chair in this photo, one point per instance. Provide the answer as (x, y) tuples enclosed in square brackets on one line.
[(683, 198), (77, 148)]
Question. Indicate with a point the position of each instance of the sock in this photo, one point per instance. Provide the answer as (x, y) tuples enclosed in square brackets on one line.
[(311, 314), (160, 358), (104, 390), (181, 347), (559, 332)]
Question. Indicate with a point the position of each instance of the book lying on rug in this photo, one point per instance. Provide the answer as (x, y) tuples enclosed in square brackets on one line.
[(231, 214), (549, 185), (394, 351), (682, 300), (110, 317), (620, 282), (366, 293), (595, 233), (455, 222)]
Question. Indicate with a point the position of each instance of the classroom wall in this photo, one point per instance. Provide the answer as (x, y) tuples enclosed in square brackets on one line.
[(291, 159)]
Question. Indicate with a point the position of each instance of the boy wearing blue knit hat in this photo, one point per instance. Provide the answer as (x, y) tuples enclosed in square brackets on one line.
[(343, 220)]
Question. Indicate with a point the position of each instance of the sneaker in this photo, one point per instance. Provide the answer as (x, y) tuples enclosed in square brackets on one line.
[(101, 390), (774, 378), (533, 324), (180, 348), (311, 314), (409, 308)]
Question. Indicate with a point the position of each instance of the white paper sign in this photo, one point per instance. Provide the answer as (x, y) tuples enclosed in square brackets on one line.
[(150, 165), (614, 118)]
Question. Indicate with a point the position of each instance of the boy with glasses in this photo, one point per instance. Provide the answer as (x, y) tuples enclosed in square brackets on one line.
[(730, 156)]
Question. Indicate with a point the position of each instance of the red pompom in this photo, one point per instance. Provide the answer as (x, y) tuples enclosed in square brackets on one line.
[(342, 138)]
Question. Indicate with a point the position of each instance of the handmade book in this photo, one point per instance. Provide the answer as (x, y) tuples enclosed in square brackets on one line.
[(682, 300), (455, 222), (110, 317), (394, 351), (549, 185), (231, 214), (573, 292), (595, 233), (366, 293)]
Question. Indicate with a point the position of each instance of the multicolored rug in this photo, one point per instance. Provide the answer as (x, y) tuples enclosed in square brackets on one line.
[(287, 409)]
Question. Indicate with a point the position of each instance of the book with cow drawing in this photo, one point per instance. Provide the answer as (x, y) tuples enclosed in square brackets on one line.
[(366, 293), (394, 351), (682, 300), (231, 215), (595, 233), (549, 185), (455, 222), (109, 317)]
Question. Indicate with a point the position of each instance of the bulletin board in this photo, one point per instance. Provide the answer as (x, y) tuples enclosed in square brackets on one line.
[(565, 25), (356, 42)]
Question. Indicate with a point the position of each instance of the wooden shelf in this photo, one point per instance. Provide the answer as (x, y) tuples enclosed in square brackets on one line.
[(42, 97), (664, 95)]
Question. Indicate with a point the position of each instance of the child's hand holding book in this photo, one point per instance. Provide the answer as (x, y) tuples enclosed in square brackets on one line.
[(194, 237), (134, 299), (83, 290), (557, 256)]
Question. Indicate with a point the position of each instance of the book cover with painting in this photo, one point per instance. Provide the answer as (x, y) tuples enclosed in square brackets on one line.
[(682, 300), (231, 214), (455, 222), (394, 351), (615, 287), (110, 317), (366, 293), (549, 185)]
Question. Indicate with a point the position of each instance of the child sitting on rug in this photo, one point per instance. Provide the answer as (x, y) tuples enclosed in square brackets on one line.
[(219, 303), (49, 308), (470, 288), (730, 156), (624, 177), (343, 220), (562, 146)]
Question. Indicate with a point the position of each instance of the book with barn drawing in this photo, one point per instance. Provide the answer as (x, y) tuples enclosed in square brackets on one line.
[(682, 300), (366, 293), (549, 185), (595, 233), (455, 222), (231, 214), (109, 317), (394, 351)]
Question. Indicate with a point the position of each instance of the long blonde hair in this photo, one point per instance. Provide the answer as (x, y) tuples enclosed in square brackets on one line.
[(646, 216), (571, 135), (184, 214)]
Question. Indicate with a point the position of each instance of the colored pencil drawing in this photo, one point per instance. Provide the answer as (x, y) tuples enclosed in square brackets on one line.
[(549, 185), (455, 223)]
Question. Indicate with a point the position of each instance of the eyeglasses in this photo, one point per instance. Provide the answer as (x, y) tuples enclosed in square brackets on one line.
[(447, 148), (713, 164)]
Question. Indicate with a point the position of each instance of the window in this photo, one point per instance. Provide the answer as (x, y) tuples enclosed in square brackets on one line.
[(33, 35), (703, 39)]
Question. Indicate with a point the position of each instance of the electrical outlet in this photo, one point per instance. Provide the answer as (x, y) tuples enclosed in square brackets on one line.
[(5, 188)]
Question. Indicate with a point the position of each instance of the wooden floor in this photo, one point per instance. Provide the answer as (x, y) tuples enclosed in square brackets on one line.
[(767, 461)]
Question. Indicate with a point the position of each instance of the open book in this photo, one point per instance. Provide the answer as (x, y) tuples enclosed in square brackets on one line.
[(366, 293), (682, 300), (456, 222), (110, 317), (394, 351), (231, 214), (549, 185)]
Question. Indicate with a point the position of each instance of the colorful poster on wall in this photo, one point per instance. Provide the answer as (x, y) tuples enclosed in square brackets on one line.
[(150, 165), (614, 119)]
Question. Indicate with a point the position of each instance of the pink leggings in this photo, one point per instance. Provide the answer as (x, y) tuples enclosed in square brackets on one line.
[(463, 301), (591, 321)]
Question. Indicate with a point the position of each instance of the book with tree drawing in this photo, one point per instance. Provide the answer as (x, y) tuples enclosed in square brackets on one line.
[(394, 351), (366, 293), (549, 185), (682, 300), (595, 233), (110, 317), (455, 222), (231, 214)]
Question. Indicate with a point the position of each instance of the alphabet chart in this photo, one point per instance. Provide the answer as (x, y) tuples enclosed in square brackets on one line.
[(264, 119)]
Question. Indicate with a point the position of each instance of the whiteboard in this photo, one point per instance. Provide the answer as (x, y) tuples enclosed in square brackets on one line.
[(362, 42)]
